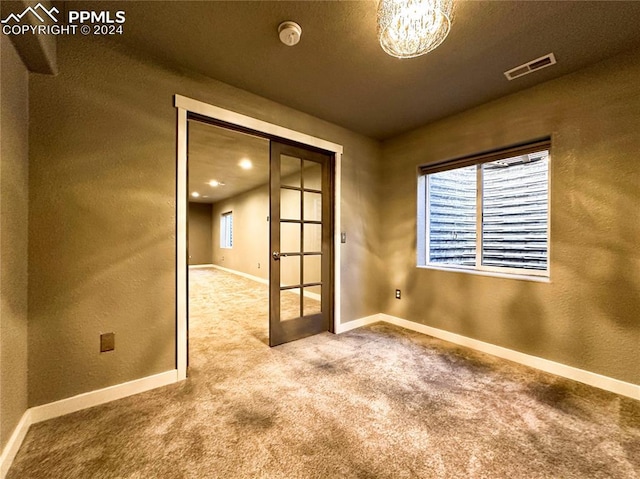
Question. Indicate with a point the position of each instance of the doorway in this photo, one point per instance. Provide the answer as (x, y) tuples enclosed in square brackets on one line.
[(303, 253)]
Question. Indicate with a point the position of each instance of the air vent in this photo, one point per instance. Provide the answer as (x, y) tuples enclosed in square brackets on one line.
[(530, 67)]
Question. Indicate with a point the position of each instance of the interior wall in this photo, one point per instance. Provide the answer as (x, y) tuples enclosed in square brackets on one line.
[(102, 226), (250, 251), (14, 188), (200, 233), (587, 315)]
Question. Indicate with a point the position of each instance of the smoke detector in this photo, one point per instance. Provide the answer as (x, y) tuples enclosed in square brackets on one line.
[(289, 33)]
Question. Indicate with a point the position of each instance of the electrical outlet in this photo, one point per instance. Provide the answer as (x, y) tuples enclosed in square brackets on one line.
[(398, 294), (258, 265), (107, 342), (343, 237)]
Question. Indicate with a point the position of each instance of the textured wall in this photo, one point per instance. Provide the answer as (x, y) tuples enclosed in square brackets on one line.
[(250, 233), (200, 233), (14, 177), (102, 229), (250, 253), (588, 316)]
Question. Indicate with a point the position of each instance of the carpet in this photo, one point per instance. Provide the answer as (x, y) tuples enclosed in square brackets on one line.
[(375, 402)]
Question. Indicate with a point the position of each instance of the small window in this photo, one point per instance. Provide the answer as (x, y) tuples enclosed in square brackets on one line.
[(226, 230), (488, 212)]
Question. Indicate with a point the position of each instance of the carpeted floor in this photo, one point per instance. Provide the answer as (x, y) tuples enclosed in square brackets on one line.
[(376, 402)]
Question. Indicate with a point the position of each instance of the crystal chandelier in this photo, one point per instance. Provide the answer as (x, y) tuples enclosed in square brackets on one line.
[(409, 28)]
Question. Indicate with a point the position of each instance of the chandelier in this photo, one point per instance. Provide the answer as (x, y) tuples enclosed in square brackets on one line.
[(410, 28)]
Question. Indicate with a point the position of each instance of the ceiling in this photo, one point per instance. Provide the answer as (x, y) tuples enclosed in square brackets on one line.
[(339, 73), (215, 153)]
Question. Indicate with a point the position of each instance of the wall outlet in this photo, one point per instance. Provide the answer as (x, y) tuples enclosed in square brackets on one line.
[(398, 294), (107, 342), (258, 265)]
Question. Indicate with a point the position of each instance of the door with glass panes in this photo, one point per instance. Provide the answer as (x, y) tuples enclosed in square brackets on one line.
[(301, 244)]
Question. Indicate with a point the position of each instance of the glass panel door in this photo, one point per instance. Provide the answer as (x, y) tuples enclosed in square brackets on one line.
[(301, 243)]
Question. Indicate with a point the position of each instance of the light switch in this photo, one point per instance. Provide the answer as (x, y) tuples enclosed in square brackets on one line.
[(343, 237)]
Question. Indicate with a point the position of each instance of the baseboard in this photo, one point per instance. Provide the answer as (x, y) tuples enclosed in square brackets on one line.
[(259, 280), (586, 377), (77, 403), (240, 273), (13, 445), (199, 266), (101, 396), (358, 323)]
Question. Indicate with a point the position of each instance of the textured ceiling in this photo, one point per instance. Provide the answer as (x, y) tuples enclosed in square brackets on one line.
[(214, 153), (338, 71)]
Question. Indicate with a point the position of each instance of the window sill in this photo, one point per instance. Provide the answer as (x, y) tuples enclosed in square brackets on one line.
[(495, 274)]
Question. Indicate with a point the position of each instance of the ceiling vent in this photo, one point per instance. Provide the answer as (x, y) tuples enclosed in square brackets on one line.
[(530, 67)]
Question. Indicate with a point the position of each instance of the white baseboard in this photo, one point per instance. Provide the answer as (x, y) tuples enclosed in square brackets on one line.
[(240, 273), (199, 266), (13, 445), (587, 377), (77, 403), (307, 294), (358, 323), (101, 396)]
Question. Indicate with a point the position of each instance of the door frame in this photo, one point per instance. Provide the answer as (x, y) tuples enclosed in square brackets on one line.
[(186, 106)]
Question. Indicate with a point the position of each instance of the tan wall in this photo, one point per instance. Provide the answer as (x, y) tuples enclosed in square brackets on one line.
[(102, 229), (14, 177), (588, 316), (250, 252), (250, 233), (200, 233)]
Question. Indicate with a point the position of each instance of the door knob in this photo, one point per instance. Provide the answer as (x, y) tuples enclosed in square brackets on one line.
[(276, 255)]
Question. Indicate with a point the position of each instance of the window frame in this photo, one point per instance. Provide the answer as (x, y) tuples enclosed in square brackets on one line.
[(477, 160), (226, 230)]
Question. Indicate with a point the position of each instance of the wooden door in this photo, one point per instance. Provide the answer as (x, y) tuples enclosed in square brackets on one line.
[(301, 245)]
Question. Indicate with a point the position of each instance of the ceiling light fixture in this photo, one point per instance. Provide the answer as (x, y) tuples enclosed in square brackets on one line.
[(410, 28), (216, 183), (246, 164), (195, 194)]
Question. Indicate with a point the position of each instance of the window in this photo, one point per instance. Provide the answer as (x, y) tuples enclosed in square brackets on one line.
[(226, 230), (488, 212)]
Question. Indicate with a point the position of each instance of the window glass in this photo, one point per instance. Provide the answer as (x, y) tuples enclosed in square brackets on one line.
[(491, 215), (226, 230), (452, 216), (514, 212)]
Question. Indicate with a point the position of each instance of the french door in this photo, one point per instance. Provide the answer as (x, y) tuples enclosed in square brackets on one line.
[(301, 245)]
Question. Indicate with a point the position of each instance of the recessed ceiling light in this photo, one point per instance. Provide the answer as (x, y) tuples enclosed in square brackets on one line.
[(246, 164), (215, 183), (195, 194)]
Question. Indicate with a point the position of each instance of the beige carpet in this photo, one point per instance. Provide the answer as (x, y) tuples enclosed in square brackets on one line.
[(377, 402)]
